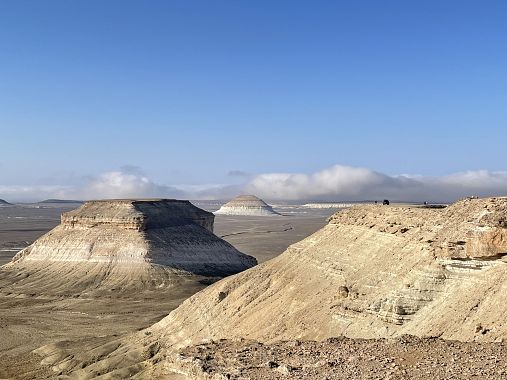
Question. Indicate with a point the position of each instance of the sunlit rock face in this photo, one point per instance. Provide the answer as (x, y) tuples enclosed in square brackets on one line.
[(371, 272), (139, 215), (246, 205), (128, 244)]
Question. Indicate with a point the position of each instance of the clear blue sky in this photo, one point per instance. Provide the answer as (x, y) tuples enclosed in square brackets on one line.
[(190, 90)]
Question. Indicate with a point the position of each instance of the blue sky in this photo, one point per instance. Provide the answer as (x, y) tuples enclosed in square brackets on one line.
[(188, 91)]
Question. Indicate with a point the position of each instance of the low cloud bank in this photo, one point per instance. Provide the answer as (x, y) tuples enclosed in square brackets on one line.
[(337, 183), (352, 183), (30, 193), (124, 183), (128, 182)]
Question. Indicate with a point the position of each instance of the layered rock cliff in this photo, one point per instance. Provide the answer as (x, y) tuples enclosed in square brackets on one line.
[(138, 215), (372, 272), (123, 245)]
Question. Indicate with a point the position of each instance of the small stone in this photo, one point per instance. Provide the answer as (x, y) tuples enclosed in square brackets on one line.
[(285, 369)]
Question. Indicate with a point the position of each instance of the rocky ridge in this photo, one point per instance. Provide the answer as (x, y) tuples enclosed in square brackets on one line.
[(373, 272), (329, 205)]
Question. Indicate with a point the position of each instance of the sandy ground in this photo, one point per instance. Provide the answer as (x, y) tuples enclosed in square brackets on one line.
[(21, 225), (30, 320), (266, 237)]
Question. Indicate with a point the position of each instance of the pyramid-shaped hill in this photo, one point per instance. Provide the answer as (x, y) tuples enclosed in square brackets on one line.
[(126, 245), (246, 205), (371, 272)]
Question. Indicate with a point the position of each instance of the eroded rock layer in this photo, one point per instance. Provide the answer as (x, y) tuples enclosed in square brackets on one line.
[(246, 205), (138, 215), (372, 272), (123, 245)]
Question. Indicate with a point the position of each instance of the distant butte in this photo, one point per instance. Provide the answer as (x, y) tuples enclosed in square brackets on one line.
[(246, 205)]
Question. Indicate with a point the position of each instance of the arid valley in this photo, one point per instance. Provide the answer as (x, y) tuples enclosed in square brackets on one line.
[(253, 190), (366, 291)]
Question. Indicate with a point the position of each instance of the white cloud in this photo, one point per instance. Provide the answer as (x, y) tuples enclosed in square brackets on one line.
[(125, 183), (30, 193), (122, 184), (128, 182), (351, 183), (332, 184)]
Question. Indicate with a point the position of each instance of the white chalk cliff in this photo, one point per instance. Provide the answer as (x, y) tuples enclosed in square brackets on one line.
[(246, 205)]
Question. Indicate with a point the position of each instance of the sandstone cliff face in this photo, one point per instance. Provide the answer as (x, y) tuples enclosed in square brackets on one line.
[(246, 205), (137, 215), (376, 271), (372, 272), (123, 245)]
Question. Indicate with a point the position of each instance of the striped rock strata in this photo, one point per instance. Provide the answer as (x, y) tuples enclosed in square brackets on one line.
[(246, 205), (372, 272), (123, 245)]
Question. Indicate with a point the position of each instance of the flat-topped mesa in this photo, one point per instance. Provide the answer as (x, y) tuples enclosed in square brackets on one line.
[(137, 215), (246, 205), (127, 245)]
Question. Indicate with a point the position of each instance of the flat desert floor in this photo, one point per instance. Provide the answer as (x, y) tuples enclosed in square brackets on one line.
[(28, 321)]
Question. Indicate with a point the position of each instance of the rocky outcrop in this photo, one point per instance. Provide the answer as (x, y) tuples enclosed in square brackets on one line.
[(4, 203), (138, 215), (123, 245), (372, 272), (246, 205), (329, 205)]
